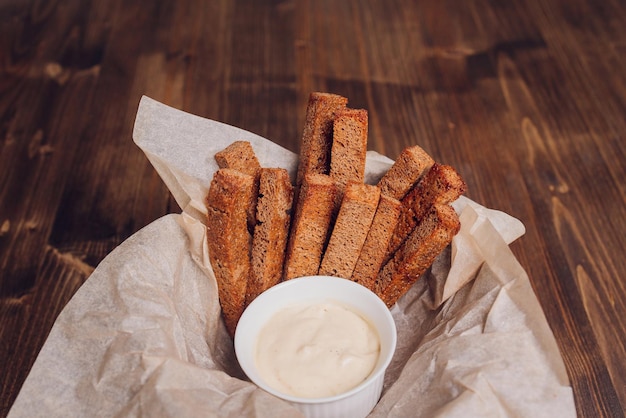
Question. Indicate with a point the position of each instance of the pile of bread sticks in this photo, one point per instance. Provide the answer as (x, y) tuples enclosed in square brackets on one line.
[(261, 229)]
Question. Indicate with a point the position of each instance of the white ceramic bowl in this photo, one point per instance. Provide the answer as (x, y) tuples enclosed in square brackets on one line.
[(357, 402)]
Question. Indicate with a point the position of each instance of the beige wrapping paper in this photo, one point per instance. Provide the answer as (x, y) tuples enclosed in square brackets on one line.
[(143, 336)]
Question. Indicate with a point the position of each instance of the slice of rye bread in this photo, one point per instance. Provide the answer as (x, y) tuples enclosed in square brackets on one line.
[(349, 146), (412, 163), (229, 240), (441, 184), (317, 135), (417, 253), (375, 248), (271, 232), (241, 157), (310, 226), (354, 219)]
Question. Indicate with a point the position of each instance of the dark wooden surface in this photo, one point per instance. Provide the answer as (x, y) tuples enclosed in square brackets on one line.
[(527, 99)]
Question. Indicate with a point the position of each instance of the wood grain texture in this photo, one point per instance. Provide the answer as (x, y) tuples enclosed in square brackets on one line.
[(526, 99)]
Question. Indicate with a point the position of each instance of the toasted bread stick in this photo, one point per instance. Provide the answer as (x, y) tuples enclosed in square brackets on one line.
[(229, 241), (354, 219), (412, 163), (349, 146), (241, 157), (417, 253), (316, 140), (374, 249), (441, 184), (269, 241), (311, 222)]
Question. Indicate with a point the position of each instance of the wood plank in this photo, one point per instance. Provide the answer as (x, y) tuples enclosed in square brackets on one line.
[(526, 99), (58, 277), (45, 119)]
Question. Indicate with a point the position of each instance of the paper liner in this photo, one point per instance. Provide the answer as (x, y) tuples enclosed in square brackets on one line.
[(143, 336)]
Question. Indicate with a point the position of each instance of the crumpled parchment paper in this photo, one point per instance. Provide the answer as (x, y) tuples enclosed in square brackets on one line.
[(143, 336)]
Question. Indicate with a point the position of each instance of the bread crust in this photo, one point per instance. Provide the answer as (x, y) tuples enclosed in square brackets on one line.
[(417, 253), (229, 240), (269, 241), (310, 228), (379, 235), (354, 219)]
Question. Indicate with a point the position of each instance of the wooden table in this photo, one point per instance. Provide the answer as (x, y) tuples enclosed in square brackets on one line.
[(527, 99)]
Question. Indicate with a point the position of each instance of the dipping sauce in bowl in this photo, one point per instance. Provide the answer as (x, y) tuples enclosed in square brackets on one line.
[(328, 350), (316, 349)]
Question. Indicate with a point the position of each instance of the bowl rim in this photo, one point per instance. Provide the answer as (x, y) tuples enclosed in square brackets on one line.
[(381, 366)]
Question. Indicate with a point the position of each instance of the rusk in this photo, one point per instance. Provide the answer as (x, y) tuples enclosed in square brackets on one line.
[(311, 222), (405, 172), (269, 241), (349, 146), (354, 219), (229, 240), (241, 157), (316, 140), (417, 253), (441, 184), (379, 235)]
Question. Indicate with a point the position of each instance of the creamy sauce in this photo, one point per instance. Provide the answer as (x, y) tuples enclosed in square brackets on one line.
[(316, 350)]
